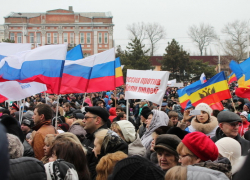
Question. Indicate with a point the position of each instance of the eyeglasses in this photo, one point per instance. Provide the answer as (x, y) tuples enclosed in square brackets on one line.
[(87, 117), (235, 124)]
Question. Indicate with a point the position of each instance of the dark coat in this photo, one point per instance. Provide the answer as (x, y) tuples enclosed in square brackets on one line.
[(142, 130), (28, 150), (88, 143), (245, 145), (4, 154), (243, 173), (27, 168)]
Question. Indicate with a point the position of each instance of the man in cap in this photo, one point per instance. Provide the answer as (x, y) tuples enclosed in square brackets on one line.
[(229, 123), (165, 147), (96, 118), (13, 108), (26, 126)]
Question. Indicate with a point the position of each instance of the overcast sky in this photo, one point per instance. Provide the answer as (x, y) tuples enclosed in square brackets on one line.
[(175, 15)]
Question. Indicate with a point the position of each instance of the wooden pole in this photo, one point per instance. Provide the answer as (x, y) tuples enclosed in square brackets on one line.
[(233, 104), (57, 111), (84, 99), (115, 98)]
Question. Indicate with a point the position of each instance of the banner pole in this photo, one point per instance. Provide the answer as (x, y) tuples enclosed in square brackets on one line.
[(20, 109), (115, 98), (46, 97), (23, 108), (84, 99), (57, 111), (233, 104), (127, 105)]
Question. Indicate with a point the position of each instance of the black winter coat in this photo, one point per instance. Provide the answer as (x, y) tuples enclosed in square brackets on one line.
[(245, 145), (88, 143), (27, 168), (28, 150)]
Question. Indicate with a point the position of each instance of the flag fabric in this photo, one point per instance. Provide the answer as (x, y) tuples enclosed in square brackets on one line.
[(213, 91), (231, 78), (203, 78), (183, 96), (43, 64), (118, 73), (15, 91), (92, 74), (7, 49), (75, 53), (243, 77)]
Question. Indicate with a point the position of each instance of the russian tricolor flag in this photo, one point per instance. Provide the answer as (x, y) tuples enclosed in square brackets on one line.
[(7, 49), (92, 74), (43, 64)]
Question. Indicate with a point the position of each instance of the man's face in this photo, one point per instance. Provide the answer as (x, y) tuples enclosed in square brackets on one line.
[(166, 160), (230, 129), (12, 110), (124, 117), (89, 120), (245, 108), (101, 105), (65, 108), (25, 128), (118, 111), (37, 118), (174, 120)]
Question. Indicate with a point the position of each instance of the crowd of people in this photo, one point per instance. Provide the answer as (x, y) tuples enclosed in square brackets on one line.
[(93, 137)]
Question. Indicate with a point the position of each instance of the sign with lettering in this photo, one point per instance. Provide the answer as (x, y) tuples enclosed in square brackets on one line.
[(150, 85)]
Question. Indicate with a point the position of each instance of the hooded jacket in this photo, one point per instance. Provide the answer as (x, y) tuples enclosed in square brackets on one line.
[(207, 128), (245, 145), (159, 119), (136, 147), (77, 128), (195, 172)]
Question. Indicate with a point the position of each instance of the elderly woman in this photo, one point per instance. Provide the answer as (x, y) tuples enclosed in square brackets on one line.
[(204, 122)]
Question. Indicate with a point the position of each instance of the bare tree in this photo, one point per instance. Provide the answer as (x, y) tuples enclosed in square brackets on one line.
[(236, 44), (202, 35), (155, 32), (137, 30)]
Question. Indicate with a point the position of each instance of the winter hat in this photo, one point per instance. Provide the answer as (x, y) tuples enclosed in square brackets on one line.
[(228, 116), (64, 126), (28, 122), (28, 115), (99, 112), (136, 167), (201, 145), (248, 105), (13, 127), (60, 169), (178, 132), (244, 113), (168, 142), (145, 112), (16, 148), (204, 107), (229, 148), (128, 130)]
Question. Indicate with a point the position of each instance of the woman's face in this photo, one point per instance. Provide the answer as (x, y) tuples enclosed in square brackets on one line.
[(243, 118), (46, 148), (29, 141), (148, 121), (187, 159), (245, 108), (97, 147), (203, 117)]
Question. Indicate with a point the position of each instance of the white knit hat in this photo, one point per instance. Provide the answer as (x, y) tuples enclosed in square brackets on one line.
[(204, 107), (128, 130), (231, 149), (244, 113)]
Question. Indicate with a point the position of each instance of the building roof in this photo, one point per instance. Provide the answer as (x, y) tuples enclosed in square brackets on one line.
[(212, 60), (85, 14)]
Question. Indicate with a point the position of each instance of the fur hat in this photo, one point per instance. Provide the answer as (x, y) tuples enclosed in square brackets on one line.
[(60, 169), (204, 107), (16, 148), (201, 145), (136, 167), (128, 130)]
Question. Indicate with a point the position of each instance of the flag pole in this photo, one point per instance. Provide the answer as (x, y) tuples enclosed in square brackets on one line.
[(115, 97), (127, 105), (23, 108), (46, 101), (20, 109), (84, 99), (57, 111), (233, 104)]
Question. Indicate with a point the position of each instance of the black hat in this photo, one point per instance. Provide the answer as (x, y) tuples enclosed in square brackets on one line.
[(178, 132), (145, 112), (228, 116), (136, 167), (168, 142), (99, 112), (28, 122), (79, 115)]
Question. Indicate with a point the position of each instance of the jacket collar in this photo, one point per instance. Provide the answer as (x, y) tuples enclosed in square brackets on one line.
[(39, 125)]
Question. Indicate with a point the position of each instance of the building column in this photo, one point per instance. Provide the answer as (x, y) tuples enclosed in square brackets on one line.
[(43, 32), (76, 31), (110, 36), (60, 32), (95, 42)]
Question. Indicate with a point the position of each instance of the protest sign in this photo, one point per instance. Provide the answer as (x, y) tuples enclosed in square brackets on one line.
[(150, 85), (172, 83)]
